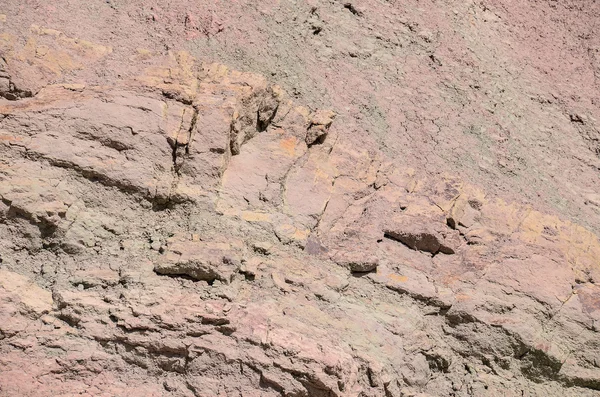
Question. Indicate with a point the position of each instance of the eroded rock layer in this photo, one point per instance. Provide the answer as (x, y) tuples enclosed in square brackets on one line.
[(193, 231)]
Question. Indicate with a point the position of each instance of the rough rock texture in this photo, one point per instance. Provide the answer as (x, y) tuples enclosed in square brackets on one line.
[(172, 227)]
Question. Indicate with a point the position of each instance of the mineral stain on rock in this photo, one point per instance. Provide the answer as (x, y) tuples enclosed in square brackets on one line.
[(402, 207)]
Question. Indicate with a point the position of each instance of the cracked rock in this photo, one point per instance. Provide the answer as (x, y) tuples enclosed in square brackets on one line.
[(206, 261)]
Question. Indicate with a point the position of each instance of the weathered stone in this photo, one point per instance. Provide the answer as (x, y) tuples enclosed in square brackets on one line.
[(417, 372), (183, 169), (320, 122), (4, 85), (262, 247), (356, 260), (206, 261), (27, 295), (420, 236)]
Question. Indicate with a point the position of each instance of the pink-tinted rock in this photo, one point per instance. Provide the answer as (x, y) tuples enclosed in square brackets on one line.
[(339, 257)]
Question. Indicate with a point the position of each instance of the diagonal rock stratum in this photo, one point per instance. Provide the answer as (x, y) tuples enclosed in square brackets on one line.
[(194, 231)]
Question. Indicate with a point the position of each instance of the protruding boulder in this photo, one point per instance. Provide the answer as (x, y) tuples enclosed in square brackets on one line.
[(421, 235), (200, 260), (253, 115), (320, 121)]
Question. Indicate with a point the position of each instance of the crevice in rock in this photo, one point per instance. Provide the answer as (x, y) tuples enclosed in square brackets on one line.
[(424, 242), (318, 129), (584, 382), (536, 365), (175, 97), (262, 125), (319, 141), (47, 229), (180, 151), (265, 383), (174, 156), (311, 383), (437, 362), (350, 7), (8, 90), (320, 216), (69, 318), (185, 277), (105, 141), (428, 300), (300, 161), (361, 274), (89, 174), (539, 366), (254, 115), (191, 130)]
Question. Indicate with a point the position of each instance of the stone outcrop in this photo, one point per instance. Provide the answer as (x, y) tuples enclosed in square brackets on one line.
[(193, 231)]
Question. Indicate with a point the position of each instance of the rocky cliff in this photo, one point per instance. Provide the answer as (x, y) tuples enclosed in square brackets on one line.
[(172, 227)]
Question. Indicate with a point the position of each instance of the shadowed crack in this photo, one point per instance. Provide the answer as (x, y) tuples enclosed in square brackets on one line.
[(419, 241)]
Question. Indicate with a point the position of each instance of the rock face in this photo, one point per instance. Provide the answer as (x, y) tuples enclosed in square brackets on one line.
[(184, 229)]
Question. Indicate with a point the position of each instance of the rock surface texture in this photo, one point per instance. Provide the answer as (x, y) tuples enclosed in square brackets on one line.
[(411, 212)]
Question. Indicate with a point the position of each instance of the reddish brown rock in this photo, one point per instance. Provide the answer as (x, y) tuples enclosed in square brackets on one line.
[(334, 256)]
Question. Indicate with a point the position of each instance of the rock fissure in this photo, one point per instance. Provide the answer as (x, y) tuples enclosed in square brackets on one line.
[(303, 257)]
